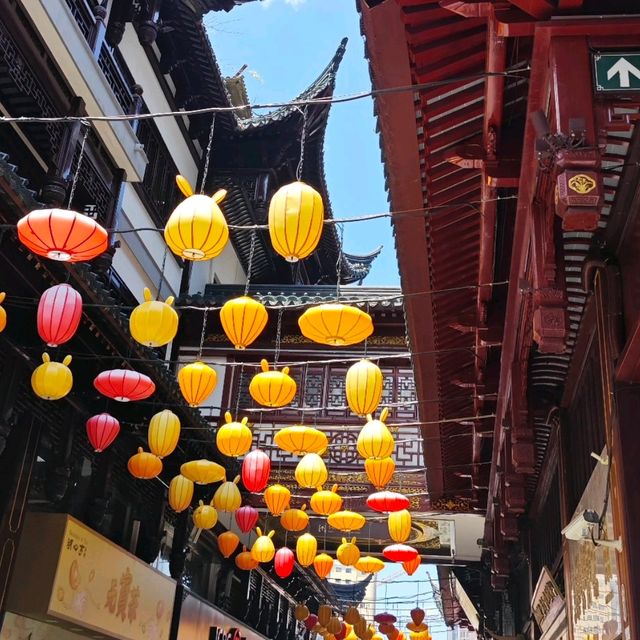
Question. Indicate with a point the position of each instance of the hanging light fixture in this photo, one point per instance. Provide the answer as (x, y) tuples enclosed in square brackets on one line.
[(311, 471), (243, 320), (311, 621), (334, 625), (234, 439), (369, 564), (387, 501), (300, 440), (399, 553), (301, 612), (197, 229), (144, 465), (272, 388), (324, 614), (228, 543), (102, 430), (62, 235), (296, 218), (325, 502), (335, 324), (164, 433), (263, 549), (348, 553), (203, 471), (277, 498), (124, 385), (197, 381), (410, 566), (246, 518), (379, 471), (256, 469), (399, 523), (306, 549), (245, 561), (180, 493), (205, 516), (52, 380), (351, 615), (283, 562), (417, 615), (227, 497), (375, 439), (3, 313), (323, 563), (153, 323), (346, 521), (295, 519), (363, 387), (59, 313)]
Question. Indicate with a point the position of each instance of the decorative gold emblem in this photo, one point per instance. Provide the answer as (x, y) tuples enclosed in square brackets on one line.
[(582, 183)]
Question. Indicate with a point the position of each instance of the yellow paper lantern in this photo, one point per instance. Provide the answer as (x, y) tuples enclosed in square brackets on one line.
[(379, 471), (234, 438), (205, 516), (153, 323), (203, 471), (228, 543), (301, 612), (243, 320), (296, 218), (351, 615), (180, 493), (323, 563), (375, 440), (363, 387), (325, 502), (335, 324), (272, 388), (52, 380), (346, 520), (3, 313), (263, 549), (306, 549), (369, 564), (399, 523), (348, 553), (311, 471), (144, 465), (227, 497), (294, 519), (244, 560), (324, 614), (277, 498), (300, 440), (334, 625), (351, 635), (197, 230), (197, 381), (164, 432)]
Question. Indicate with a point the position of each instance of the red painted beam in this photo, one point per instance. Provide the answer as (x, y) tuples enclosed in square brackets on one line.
[(539, 9)]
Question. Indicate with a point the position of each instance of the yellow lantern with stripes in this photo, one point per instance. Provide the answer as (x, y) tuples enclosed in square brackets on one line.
[(323, 563), (205, 516), (164, 433), (300, 440), (399, 523), (379, 471), (306, 549), (263, 549), (234, 439), (203, 471), (153, 323), (197, 230), (348, 553), (335, 324), (227, 496), (180, 493), (52, 380), (295, 519), (311, 471), (346, 521), (197, 381), (375, 439), (325, 502), (363, 387), (272, 388), (369, 564), (243, 319), (277, 498), (296, 218)]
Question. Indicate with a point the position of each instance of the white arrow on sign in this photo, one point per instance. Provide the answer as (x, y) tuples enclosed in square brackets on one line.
[(625, 69)]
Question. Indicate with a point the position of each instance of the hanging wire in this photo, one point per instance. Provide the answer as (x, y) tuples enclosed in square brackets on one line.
[(203, 333), (207, 158), (161, 279), (339, 263), (250, 262), (74, 183), (239, 389), (303, 138), (276, 354)]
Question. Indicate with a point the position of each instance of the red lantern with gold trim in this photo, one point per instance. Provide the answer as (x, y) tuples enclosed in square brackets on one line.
[(124, 385), (59, 313), (256, 469), (102, 430)]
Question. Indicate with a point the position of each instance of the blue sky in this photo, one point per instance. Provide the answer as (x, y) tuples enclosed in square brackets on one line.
[(286, 44)]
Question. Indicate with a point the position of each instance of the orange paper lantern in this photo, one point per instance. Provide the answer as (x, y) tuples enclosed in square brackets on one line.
[(144, 465), (323, 563), (245, 561), (243, 320), (379, 471), (325, 502), (272, 388), (277, 498), (228, 543), (197, 381)]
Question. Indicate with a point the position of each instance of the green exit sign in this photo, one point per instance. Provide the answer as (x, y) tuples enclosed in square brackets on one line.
[(617, 71)]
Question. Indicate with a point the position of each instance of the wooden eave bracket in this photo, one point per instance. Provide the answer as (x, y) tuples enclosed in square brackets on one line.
[(504, 172)]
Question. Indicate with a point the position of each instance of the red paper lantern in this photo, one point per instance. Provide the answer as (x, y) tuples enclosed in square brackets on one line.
[(384, 618), (399, 553), (342, 634), (102, 431), (246, 518), (311, 621), (59, 313), (256, 469), (387, 501), (283, 562), (124, 385), (61, 234)]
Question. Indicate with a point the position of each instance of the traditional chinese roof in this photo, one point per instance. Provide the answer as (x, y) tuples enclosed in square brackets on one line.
[(351, 593)]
